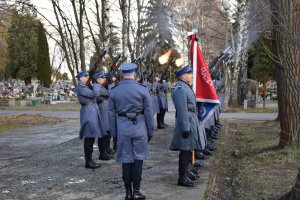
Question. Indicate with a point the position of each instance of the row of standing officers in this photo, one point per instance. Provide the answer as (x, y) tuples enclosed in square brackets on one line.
[(126, 112)]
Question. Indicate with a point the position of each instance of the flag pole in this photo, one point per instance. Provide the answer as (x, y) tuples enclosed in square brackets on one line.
[(194, 43)]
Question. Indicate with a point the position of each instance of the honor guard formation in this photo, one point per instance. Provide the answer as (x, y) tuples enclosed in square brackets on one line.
[(122, 110)]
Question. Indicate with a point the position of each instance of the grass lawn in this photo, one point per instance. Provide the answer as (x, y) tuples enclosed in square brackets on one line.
[(249, 165), (20, 121)]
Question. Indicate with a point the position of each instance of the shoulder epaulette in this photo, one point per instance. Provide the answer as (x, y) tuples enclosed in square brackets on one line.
[(115, 86), (178, 85), (142, 84)]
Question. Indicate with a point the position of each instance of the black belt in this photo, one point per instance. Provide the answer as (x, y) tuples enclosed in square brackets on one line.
[(89, 103), (132, 116), (125, 114)]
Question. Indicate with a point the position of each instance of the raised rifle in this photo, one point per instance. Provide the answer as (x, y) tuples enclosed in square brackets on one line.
[(96, 65), (113, 68), (139, 59), (216, 63), (164, 75)]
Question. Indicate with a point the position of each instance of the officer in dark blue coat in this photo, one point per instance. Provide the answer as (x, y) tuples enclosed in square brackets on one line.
[(164, 97), (102, 101), (158, 88), (113, 82), (90, 119), (185, 137), (132, 122)]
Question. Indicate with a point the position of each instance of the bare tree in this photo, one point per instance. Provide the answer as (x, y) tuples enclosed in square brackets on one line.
[(63, 40), (79, 9), (286, 50), (124, 10)]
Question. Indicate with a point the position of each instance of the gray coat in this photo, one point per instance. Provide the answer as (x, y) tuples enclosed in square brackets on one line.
[(156, 98), (184, 100), (164, 90), (132, 139), (220, 87), (102, 101), (90, 119)]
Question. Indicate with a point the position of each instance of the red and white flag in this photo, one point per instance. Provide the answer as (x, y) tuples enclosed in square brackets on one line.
[(203, 84)]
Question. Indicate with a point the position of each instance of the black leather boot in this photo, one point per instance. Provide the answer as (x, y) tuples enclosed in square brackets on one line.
[(199, 155), (195, 170), (90, 164), (128, 192), (191, 176), (102, 144), (197, 163), (160, 126), (136, 193), (104, 156), (184, 180), (88, 150), (210, 147), (206, 152)]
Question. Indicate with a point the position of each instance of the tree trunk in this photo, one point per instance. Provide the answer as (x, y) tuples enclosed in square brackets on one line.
[(79, 22), (295, 193), (286, 43), (124, 11)]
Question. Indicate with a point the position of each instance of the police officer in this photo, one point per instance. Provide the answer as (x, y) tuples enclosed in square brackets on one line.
[(90, 119), (113, 82), (132, 122), (158, 88), (102, 101), (164, 97), (185, 137)]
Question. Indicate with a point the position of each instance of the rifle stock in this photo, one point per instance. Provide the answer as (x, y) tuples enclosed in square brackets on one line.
[(215, 64), (96, 65)]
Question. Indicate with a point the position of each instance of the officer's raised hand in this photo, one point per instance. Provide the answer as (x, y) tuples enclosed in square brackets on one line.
[(186, 134)]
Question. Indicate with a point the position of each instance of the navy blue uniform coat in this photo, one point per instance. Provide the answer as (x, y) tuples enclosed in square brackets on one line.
[(90, 119), (184, 100), (132, 139)]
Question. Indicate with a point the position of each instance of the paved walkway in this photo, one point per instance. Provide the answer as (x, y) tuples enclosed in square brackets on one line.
[(46, 162)]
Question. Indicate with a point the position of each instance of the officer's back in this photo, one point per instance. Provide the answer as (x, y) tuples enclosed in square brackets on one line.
[(129, 96)]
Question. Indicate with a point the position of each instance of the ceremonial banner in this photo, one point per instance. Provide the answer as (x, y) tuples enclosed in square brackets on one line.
[(203, 86)]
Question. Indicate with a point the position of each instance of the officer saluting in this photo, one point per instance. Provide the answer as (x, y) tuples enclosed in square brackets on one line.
[(132, 122), (90, 119), (185, 137)]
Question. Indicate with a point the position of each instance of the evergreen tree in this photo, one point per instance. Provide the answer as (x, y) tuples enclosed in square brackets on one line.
[(263, 68), (22, 45), (43, 61), (157, 25)]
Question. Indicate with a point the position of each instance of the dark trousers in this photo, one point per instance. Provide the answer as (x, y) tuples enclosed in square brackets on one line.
[(132, 173), (102, 143), (88, 148), (185, 158), (160, 117), (114, 143)]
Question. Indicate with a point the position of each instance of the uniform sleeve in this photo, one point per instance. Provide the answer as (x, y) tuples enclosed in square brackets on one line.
[(103, 91), (112, 116), (148, 113), (90, 93), (180, 102)]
